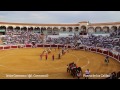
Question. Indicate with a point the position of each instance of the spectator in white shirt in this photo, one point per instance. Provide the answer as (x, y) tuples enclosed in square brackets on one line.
[(87, 73)]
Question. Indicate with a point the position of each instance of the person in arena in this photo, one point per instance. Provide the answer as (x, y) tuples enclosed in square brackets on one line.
[(87, 73), (46, 56), (41, 57), (107, 60), (58, 55), (58, 47), (62, 51), (68, 68), (53, 57), (79, 74), (55, 49)]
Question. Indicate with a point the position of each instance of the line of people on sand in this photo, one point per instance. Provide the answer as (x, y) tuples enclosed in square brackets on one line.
[(47, 51)]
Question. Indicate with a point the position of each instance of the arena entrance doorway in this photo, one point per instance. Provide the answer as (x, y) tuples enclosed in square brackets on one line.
[(83, 30), (2, 30)]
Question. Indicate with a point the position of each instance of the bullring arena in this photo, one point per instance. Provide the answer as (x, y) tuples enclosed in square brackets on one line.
[(21, 50)]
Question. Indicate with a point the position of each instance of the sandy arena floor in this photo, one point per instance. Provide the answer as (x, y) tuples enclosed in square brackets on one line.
[(25, 63)]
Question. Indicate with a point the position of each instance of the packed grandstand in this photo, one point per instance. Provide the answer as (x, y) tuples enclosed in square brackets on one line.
[(111, 42)]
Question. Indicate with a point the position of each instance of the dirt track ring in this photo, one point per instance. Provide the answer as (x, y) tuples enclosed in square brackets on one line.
[(9, 62)]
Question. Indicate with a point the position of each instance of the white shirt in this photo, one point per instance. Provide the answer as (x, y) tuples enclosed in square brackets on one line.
[(87, 72)]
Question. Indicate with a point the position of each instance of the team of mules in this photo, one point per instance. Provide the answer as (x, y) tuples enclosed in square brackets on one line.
[(74, 70)]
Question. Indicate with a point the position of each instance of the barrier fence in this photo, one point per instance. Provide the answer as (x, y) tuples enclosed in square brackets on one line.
[(113, 54)]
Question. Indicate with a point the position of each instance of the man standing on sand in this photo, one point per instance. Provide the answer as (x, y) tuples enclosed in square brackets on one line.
[(53, 57), (58, 47), (46, 56), (107, 60), (59, 56), (40, 57), (87, 73)]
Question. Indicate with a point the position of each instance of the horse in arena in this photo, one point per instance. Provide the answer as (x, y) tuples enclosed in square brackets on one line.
[(106, 60), (73, 69)]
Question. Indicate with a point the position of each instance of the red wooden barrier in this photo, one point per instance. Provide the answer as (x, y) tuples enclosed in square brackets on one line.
[(105, 52), (116, 56), (46, 45), (111, 54), (6, 47), (39, 45), (1, 47), (53, 45), (28, 45), (13, 46)]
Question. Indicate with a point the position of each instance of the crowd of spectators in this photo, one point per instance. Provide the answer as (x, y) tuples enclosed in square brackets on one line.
[(27, 37), (106, 42), (24, 38)]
